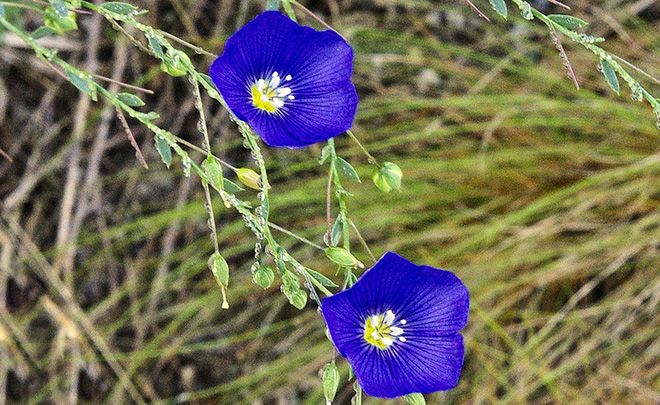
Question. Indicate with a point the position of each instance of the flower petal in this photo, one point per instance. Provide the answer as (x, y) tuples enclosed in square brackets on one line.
[(320, 99), (421, 365), (429, 305)]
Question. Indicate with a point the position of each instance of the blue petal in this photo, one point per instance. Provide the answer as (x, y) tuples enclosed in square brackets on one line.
[(435, 304), (321, 64)]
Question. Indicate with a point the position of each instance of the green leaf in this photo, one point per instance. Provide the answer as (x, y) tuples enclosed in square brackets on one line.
[(213, 172), (130, 100), (342, 257), (330, 381), (568, 21), (155, 45), (84, 84), (164, 150), (231, 187), (325, 154), (415, 399), (150, 116), (337, 229), (118, 7), (610, 75), (500, 7), (42, 32), (220, 269), (347, 170), (323, 280)]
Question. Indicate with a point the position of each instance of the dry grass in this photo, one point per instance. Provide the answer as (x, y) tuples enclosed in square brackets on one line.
[(543, 199)]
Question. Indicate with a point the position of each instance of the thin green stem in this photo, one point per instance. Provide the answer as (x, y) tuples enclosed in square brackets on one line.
[(364, 150)]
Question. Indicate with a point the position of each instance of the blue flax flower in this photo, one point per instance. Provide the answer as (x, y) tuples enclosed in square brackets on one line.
[(398, 327), (291, 83)]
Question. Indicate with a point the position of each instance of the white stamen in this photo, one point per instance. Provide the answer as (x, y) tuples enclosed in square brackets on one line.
[(395, 331), (274, 81), (403, 322), (271, 92), (375, 335), (389, 318), (374, 321), (402, 339), (387, 341), (283, 91)]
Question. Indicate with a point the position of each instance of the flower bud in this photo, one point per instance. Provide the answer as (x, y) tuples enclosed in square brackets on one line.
[(342, 257), (220, 269), (330, 381), (263, 277), (388, 177), (249, 177), (415, 399)]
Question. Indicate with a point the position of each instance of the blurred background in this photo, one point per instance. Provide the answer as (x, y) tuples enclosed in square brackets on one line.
[(543, 199)]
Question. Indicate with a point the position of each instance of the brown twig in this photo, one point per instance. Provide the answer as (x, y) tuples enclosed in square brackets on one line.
[(559, 3), (128, 86), (564, 57), (476, 10), (6, 156), (131, 138)]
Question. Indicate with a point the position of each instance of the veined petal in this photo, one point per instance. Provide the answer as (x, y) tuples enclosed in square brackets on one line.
[(415, 345), (291, 83)]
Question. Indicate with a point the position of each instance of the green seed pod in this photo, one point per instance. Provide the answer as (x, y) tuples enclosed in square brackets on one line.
[(298, 299), (388, 177), (263, 277)]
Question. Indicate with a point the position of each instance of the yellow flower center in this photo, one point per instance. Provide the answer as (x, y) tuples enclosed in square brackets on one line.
[(270, 95), (380, 330)]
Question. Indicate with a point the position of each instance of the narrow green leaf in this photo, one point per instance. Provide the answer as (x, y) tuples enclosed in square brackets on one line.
[(118, 7), (325, 281), (84, 84), (610, 75), (347, 170), (500, 7), (164, 150), (155, 46), (568, 21), (231, 187), (337, 229), (42, 32), (325, 153), (130, 100)]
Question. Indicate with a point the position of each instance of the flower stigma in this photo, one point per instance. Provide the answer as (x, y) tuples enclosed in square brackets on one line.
[(269, 95), (381, 331)]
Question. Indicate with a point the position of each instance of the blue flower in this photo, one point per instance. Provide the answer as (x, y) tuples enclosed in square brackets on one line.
[(291, 83), (398, 327)]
